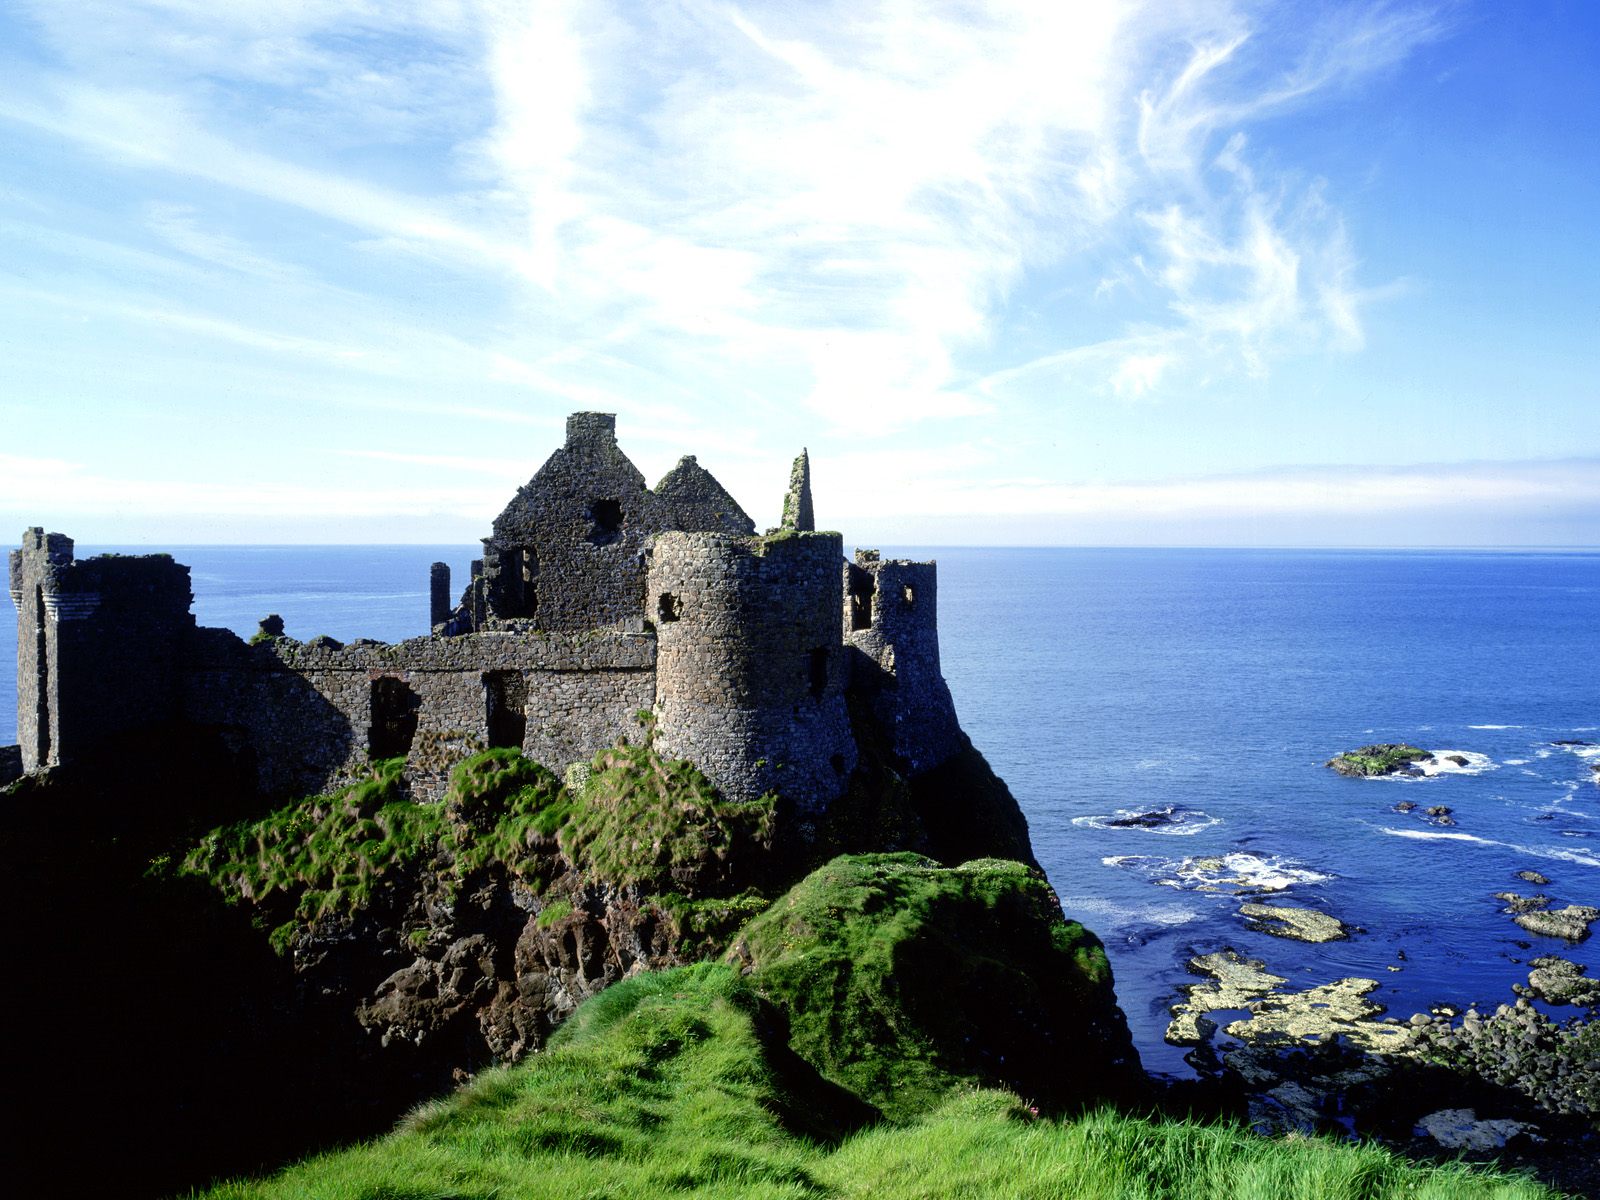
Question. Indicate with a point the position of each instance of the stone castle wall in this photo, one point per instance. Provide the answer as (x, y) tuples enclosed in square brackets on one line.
[(598, 598), (98, 645), (315, 713), (751, 674), (891, 624), (566, 553)]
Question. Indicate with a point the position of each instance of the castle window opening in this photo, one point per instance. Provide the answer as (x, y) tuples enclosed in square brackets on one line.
[(909, 594), (607, 518), (394, 718), (669, 607), (862, 587), (517, 592), (819, 671), (505, 698)]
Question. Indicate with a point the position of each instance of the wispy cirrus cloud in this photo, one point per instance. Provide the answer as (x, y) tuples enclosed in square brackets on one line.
[(836, 206)]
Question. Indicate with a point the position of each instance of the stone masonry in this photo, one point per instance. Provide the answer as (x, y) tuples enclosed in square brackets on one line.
[(599, 602)]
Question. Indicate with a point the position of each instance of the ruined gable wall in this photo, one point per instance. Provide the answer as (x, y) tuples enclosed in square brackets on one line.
[(891, 623), (565, 553), (307, 710), (692, 501), (750, 674)]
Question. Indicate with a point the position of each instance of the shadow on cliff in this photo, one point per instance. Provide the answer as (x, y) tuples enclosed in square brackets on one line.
[(955, 812), (154, 1039)]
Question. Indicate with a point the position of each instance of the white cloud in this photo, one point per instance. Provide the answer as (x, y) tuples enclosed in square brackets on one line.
[(712, 216), (957, 487)]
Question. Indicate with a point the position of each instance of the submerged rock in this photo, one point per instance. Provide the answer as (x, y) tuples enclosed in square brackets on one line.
[(1155, 818), (1523, 904), (1533, 877), (1300, 924), (1387, 758)]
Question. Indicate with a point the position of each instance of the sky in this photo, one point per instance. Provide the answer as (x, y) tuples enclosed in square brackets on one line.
[(1184, 272)]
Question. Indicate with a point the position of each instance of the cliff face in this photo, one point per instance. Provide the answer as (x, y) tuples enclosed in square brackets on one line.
[(485, 920)]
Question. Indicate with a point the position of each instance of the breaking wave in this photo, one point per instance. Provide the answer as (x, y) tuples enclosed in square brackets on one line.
[(1239, 872), (1172, 819), (1580, 857), (1443, 763)]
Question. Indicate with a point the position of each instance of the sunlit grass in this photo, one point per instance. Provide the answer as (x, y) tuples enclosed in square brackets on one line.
[(664, 1085)]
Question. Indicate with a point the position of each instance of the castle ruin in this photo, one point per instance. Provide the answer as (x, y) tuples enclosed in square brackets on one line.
[(597, 599)]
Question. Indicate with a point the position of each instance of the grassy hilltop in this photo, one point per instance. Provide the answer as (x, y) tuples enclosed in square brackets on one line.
[(679, 1083)]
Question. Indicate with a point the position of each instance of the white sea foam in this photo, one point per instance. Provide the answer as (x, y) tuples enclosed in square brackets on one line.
[(1441, 763), (1518, 762), (1494, 726), (1238, 872), (1173, 820), (1580, 857), (1114, 914)]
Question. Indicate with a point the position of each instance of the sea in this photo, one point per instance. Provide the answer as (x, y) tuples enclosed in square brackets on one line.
[(1164, 717)]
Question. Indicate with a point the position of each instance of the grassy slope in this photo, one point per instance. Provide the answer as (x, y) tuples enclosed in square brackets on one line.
[(900, 977), (668, 1084)]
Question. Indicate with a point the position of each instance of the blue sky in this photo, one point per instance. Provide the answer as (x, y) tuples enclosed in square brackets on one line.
[(1113, 273)]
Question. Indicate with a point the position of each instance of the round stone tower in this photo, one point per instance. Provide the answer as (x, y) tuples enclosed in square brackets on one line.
[(750, 665)]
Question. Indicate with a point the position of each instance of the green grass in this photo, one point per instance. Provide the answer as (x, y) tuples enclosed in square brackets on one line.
[(881, 962), (659, 823), (325, 854), (667, 1084), (637, 819)]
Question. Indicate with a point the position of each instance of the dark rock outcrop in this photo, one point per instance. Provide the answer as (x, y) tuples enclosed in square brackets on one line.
[(1387, 758)]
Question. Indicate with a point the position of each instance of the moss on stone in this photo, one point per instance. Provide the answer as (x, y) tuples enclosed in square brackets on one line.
[(638, 819), (902, 979), (659, 823), (324, 854)]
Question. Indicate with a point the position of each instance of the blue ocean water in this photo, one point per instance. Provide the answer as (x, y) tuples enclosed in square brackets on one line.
[(1100, 682)]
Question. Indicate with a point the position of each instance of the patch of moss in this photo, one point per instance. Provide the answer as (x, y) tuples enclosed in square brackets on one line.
[(639, 819), (708, 924), (556, 910), (325, 854), (659, 823), (504, 808), (902, 979)]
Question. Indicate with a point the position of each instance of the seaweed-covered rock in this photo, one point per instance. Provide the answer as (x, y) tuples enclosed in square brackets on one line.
[(1387, 758), (1558, 980), (1571, 922), (901, 979), (1300, 924)]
